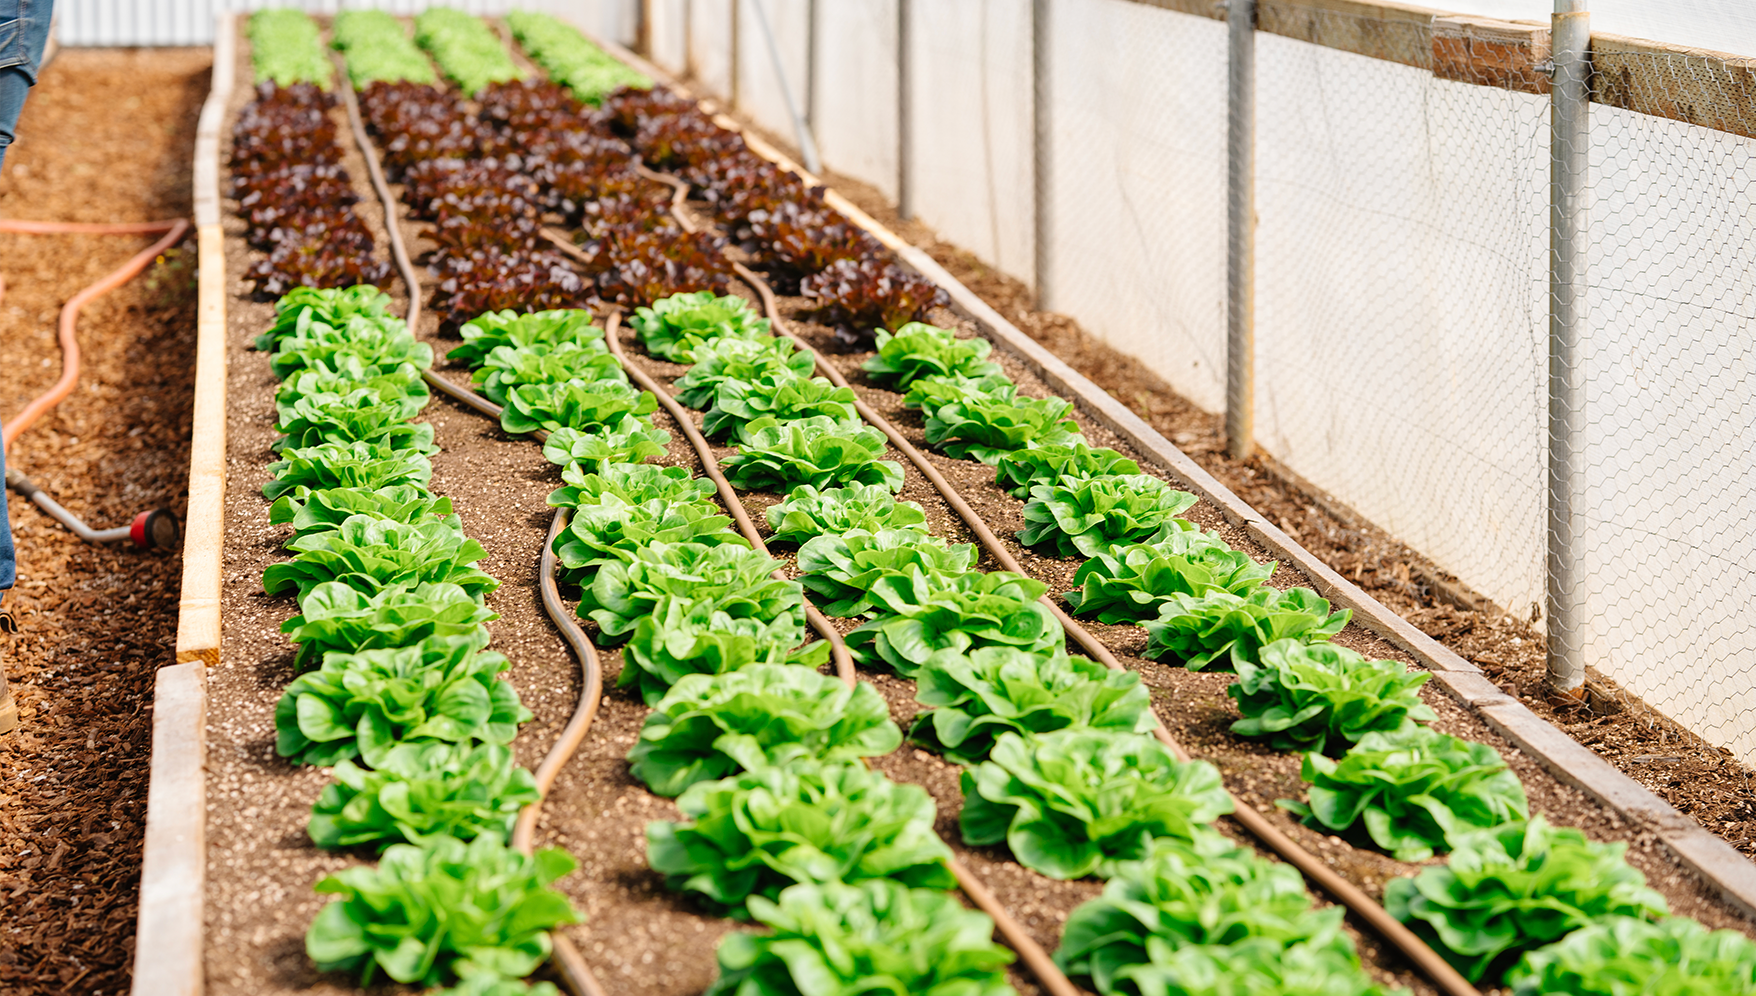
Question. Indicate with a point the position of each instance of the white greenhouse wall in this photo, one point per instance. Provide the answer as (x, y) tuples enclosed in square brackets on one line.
[(760, 93), (853, 97), (190, 22)]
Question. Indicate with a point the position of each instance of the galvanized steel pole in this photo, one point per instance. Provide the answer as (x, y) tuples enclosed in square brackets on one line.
[(905, 188), (1569, 216), (1043, 149), (1241, 230)]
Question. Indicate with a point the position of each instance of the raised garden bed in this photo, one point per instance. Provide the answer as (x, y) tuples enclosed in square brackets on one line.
[(637, 936)]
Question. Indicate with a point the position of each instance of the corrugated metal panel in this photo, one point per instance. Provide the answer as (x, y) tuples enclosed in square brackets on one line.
[(190, 22)]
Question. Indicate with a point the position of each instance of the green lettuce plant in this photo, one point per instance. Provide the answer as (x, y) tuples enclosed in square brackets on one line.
[(373, 341), (756, 833), (1128, 583), (747, 360), (920, 614), (633, 483), (299, 307), (350, 373), (442, 909), (784, 397), (712, 725), (507, 367), (841, 568), (929, 393), (810, 511), (573, 405), (485, 333), (919, 350), (870, 937), (583, 68), (1077, 801), (1625, 956), (494, 984), (1515, 888), (973, 698), (1410, 791), (686, 638), (364, 704), (1085, 516), (1205, 916), (1216, 630), (421, 790), (736, 580), (369, 554), (378, 49), (675, 326), (628, 439), (986, 427), (360, 415), (1321, 697), (337, 617), (345, 465), (468, 52), (325, 511), (285, 48), (1020, 470), (611, 530), (819, 451)]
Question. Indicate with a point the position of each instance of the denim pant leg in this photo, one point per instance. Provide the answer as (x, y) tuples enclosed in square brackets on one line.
[(14, 85), (24, 34), (8, 561)]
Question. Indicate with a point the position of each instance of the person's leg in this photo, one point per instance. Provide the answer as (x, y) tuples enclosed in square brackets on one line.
[(14, 85), (8, 574)]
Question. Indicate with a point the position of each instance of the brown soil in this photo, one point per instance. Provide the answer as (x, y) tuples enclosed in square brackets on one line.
[(1699, 779), (105, 136)]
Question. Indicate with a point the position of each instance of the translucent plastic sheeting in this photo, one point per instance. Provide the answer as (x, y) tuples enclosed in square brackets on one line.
[(1137, 199), (667, 32), (190, 22), (759, 87), (711, 45), (1721, 25), (1401, 303), (854, 90), (970, 173)]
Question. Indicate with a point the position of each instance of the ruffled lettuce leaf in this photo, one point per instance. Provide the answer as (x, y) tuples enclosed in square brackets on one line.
[(809, 511), (573, 404), (507, 367), (747, 360), (784, 397), (368, 465), (485, 333), (734, 579), (369, 553), (1216, 630), (683, 637), (421, 790), (1321, 697), (675, 326), (986, 427), (1084, 516), (918, 615), (1128, 583), (337, 617), (324, 511), (819, 451), (919, 350), (841, 568), (1021, 470), (1620, 956)]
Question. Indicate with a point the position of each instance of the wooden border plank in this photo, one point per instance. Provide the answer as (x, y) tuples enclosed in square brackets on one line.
[(1720, 866), (168, 939)]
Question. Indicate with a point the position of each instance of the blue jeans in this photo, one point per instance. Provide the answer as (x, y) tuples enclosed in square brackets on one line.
[(24, 33), (8, 561)]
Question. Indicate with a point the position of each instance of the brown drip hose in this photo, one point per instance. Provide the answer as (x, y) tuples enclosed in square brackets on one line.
[(1436, 968), (67, 326)]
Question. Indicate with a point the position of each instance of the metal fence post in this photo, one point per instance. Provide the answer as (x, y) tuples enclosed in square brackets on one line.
[(1569, 216), (905, 194), (1241, 230), (1042, 146)]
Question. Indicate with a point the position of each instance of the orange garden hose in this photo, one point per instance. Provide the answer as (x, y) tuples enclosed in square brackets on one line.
[(67, 328)]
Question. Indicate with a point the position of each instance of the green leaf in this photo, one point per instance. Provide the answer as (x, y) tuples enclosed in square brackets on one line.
[(807, 821), (468, 51), (986, 427), (629, 439), (285, 49), (1074, 802), (380, 342), (1515, 888), (1019, 471), (573, 405), (747, 360), (325, 511), (931, 392), (1085, 516), (974, 698), (683, 637), (569, 59), (783, 396), (345, 465), (440, 910), (674, 327), (350, 373), (841, 568), (611, 531), (337, 617), (919, 615), (485, 333), (363, 704), (712, 725), (359, 415), (370, 553), (1128, 584), (420, 790), (819, 451), (808, 512), (507, 367), (918, 350), (733, 579), (301, 306), (379, 49), (1218, 629), (633, 483), (1321, 697), (1411, 791), (1624, 956), (867, 939)]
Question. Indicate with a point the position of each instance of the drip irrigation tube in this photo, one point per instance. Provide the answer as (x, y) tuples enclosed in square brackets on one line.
[(154, 528), (1447, 978)]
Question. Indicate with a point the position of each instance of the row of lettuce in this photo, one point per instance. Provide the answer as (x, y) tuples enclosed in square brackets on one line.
[(989, 662)]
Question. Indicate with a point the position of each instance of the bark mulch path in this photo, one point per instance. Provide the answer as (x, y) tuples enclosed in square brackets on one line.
[(105, 136)]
